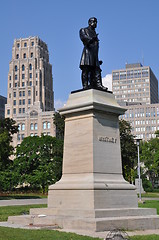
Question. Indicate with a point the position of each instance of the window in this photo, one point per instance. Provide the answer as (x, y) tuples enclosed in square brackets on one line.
[(18, 45), (30, 67), (23, 76), (23, 101), (20, 94), (20, 110), (14, 94), (10, 85), (23, 136), (14, 110), (20, 102), (36, 83), (19, 127), (23, 84), (25, 44), (23, 127), (14, 102), (29, 93), (23, 67), (17, 56), (31, 126), (8, 111), (29, 101), (10, 78), (15, 68), (32, 135), (32, 43), (36, 93), (24, 93), (9, 95), (24, 55), (44, 125), (23, 110), (31, 55), (16, 84), (18, 137), (48, 125), (36, 126), (30, 83), (30, 75), (15, 77)]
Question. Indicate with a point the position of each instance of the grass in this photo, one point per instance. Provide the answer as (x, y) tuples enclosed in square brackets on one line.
[(7, 211), (146, 237), (22, 234), (4, 196), (150, 204), (150, 194)]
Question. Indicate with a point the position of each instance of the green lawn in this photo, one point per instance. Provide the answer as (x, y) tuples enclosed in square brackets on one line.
[(146, 237), (7, 211), (150, 194), (150, 204), (22, 234), (21, 196)]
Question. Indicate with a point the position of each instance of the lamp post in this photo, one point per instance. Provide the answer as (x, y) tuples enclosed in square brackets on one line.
[(139, 175)]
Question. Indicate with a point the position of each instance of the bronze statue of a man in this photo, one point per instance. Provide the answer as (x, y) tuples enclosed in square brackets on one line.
[(90, 64)]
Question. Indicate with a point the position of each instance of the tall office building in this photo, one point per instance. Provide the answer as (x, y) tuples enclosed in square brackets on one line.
[(136, 88), (3, 101), (30, 100), (135, 84)]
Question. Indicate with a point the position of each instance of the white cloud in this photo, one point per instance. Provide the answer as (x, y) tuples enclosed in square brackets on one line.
[(59, 103), (107, 81)]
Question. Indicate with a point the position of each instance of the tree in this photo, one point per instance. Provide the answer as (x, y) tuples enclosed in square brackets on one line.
[(150, 157), (38, 161), (60, 125), (7, 129), (128, 150)]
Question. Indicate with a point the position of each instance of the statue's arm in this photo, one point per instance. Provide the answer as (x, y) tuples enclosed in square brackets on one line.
[(84, 37)]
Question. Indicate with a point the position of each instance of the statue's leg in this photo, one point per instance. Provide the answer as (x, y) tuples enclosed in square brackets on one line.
[(98, 79), (85, 78)]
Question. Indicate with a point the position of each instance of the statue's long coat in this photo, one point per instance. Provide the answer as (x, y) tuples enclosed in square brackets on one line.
[(90, 52)]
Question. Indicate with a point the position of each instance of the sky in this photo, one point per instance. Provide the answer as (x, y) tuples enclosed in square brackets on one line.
[(127, 30)]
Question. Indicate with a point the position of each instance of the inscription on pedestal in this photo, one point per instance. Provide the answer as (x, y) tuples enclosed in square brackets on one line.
[(107, 139)]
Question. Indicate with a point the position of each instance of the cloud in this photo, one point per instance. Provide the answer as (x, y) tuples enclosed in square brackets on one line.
[(107, 81), (59, 103)]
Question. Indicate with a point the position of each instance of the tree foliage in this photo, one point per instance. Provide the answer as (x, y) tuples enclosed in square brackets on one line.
[(7, 129), (39, 161), (149, 155), (128, 150), (60, 125)]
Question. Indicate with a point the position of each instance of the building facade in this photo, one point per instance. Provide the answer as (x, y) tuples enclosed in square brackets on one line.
[(30, 100), (136, 88), (135, 84), (3, 101)]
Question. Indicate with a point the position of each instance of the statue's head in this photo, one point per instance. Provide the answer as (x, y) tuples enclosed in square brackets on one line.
[(92, 22)]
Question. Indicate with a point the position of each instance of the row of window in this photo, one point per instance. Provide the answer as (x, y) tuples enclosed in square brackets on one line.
[(23, 76), (24, 55), (22, 84), (25, 44), (21, 110), (34, 126), (23, 67)]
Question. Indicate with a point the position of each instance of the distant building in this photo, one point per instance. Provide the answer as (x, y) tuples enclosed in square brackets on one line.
[(30, 100), (3, 101), (135, 84), (136, 88)]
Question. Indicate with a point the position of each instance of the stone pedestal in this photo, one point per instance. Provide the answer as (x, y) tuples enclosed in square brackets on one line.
[(92, 172), (92, 193)]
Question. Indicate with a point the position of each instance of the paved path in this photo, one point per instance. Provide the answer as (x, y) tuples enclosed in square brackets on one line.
[(16, 202)]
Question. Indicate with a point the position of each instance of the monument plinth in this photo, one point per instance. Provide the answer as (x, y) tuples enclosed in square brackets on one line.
[(92, 193), (92, 172)]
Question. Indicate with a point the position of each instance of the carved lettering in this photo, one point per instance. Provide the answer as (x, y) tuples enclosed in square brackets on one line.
[(107, 139)]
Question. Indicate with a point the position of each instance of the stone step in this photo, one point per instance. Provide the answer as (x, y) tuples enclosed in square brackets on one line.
[(97, 213), (95, 224)]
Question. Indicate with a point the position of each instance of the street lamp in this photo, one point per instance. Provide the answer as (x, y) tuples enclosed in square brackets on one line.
[(139, 175)]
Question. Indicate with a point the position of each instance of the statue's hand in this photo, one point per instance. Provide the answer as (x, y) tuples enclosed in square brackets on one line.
[(100, 62)]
